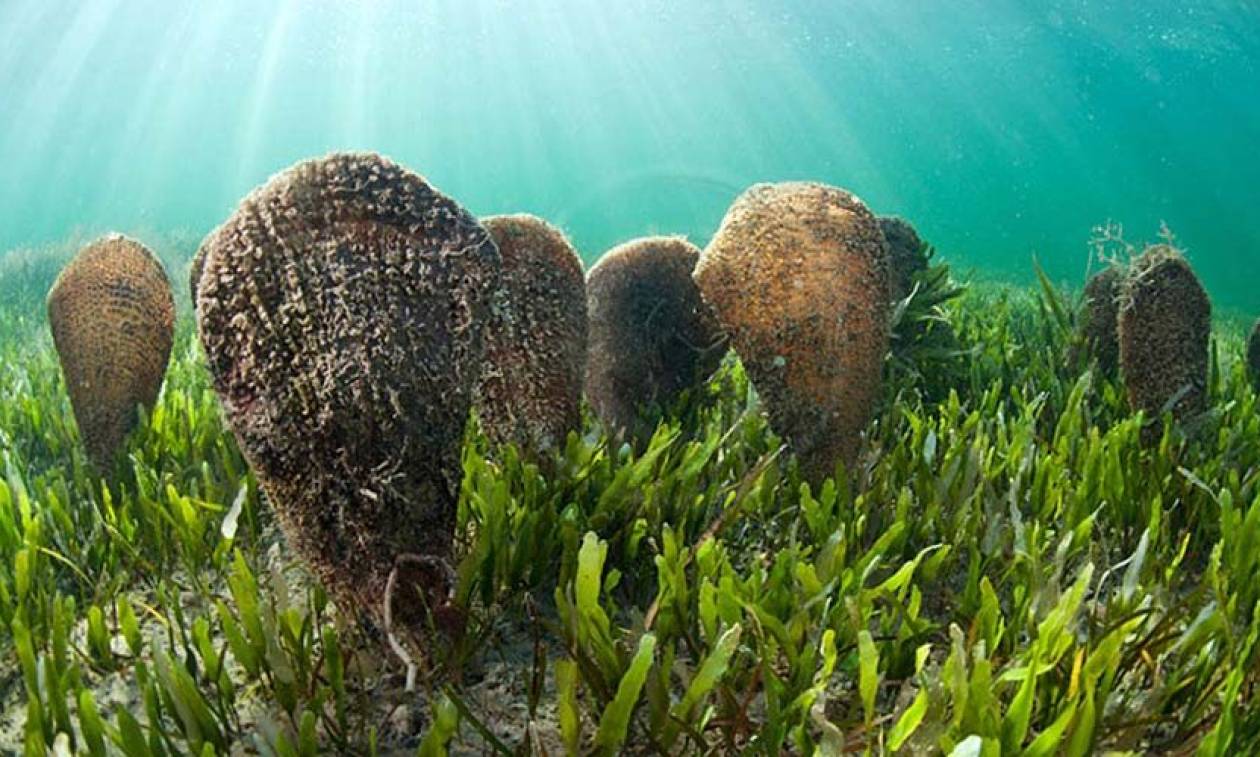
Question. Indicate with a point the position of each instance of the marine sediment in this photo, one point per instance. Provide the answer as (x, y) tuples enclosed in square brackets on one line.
[(798, 275), (530, 392), (651, 335), (342, 309), (1165, 322), (112, 317)]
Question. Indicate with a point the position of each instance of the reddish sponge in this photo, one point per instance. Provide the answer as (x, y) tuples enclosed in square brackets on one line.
[(798, 274), (530, 392), (651, 336), (341, 308), (113, 322), (1165, 324)]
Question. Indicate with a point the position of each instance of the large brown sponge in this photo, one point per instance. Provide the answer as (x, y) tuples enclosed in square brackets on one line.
[(113, 322), (1099, 313), (530, 392), (798, 274), (651, 335), (341, 308), (1165, 323), (907, 254)]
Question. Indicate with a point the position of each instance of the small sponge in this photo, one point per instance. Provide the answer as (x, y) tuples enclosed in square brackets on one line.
[(530, 393), (651, 336), (1165, 324), (113, 322), (798, 274), (341, 309)]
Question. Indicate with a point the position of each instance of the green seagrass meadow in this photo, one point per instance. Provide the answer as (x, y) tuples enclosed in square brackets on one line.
[(1012, 566)]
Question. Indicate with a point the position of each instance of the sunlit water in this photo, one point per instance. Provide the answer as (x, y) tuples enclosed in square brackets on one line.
[(1002, 128)]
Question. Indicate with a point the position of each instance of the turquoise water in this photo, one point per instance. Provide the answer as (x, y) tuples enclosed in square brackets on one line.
[(1002, 128)]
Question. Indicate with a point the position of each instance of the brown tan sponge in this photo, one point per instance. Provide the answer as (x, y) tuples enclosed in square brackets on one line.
[(113, 322), (1165, 324), (1099, 313), (341, 308), (798, 274), (907, 254), (651, 335), (530, 393), (195, 268)]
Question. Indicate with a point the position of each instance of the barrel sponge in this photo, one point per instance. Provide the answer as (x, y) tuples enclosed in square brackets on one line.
[(798, 274), (530, 392), (1099, 308), (1165, 324), (907, 254), (341, 309), (113, 322), (651, 335), (1253, 356)]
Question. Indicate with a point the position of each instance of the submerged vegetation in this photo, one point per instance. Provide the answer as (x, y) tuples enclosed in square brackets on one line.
[(1007, 568)]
